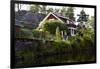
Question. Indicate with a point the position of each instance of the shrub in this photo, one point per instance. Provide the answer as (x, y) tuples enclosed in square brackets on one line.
[(61, 46), (36, 33), (26, 55), (84, 39), (51, 25), (41, 34)]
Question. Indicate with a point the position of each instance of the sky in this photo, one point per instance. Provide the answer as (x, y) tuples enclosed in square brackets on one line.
[(88, 2), (89, 11)]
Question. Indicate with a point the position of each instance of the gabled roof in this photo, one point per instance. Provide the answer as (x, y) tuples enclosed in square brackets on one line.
[(26, 17), (41, 23), (62, 19), (48, 16), (71, 24)]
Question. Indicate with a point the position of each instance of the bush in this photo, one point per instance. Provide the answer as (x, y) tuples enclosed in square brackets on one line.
[(41, 34), (84, 39), (51, 25), (36, 33), (26, 55), (61, 46)]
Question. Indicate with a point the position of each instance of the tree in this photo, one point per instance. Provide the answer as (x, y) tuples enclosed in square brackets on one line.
[(49, 10), (70, 13), (56, 10), (88, 37), (83, 39), (36, 33), (43, 9), (63, 11), (90, 21), (35, 8), (82, 17)]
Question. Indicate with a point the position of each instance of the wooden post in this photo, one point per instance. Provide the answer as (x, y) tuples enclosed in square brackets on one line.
[(62, 34)]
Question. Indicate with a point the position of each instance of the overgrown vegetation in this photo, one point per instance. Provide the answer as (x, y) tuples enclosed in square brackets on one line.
[(47, 45), (51, 25), (75, 49)]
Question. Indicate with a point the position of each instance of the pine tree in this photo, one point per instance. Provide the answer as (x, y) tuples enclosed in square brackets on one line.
[(82, 17), (70, 13)]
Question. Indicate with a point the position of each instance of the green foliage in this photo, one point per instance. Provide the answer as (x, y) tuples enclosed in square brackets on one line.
[(63, 46), (56, 10), (41, 34), (82, 17), (35, 8), (76, 48), (48, 36), (70, 13), (58, 34), (36, 33), (49, 10), (88, 37), (51, 25), (91, 21), (43, 9), (83, 39), (63, 11), (26, 55)]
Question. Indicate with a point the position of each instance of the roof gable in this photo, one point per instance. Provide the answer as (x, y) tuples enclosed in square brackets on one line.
[(46, 18), (51, 17)]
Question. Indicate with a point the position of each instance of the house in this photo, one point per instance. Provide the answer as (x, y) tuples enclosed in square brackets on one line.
[(32, 20), (68, 22)]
